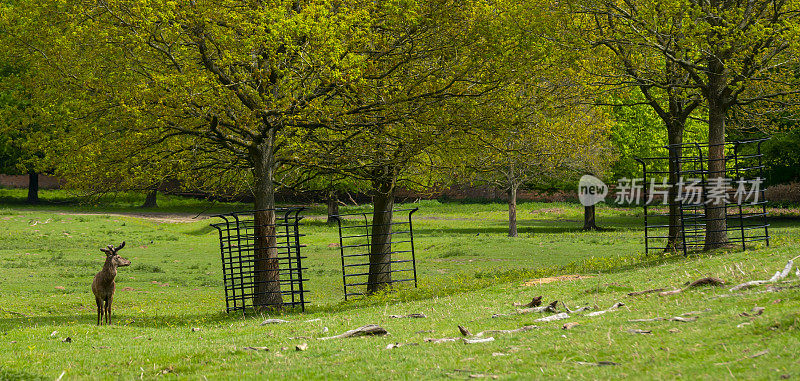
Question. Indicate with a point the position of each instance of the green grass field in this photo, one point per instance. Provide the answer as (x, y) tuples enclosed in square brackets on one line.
[(169, 321)]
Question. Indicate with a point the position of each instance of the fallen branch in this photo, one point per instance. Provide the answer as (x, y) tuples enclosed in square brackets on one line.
[(708, 281), (398, 345), (756, 311), (778, 276), (367, 330), (548, 308), (579, 309), (412, 316), (13, 313), (535, 302), (683, 319), (690, 313), (645, 292), (747, 285), (558, 316), (476, 341), (464, 331), (616, 306), (782, 274), (744, 358), (504, 331), (640, 331), (255, 348), (273, 321), (442, 340), (599, 363)]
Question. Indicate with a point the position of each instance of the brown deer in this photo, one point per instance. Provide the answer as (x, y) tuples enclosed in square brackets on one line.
[(103, 285)]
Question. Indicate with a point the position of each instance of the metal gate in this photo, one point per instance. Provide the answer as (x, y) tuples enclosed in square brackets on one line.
[(355, 232), (745, 223), (238, 245)]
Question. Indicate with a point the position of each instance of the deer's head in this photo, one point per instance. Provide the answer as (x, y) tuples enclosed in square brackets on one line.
[(111, 255)]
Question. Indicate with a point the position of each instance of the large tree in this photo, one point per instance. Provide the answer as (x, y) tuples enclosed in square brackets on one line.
[(221, 82), (731, 54), (234, 90), (619, 59)]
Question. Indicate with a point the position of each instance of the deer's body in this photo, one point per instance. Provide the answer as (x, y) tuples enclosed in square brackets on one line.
[(103, 285)]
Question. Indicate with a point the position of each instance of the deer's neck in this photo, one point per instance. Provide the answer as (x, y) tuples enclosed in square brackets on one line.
[(109, 269)]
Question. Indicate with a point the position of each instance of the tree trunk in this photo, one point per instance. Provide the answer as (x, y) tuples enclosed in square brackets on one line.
[(589, 222), (675, 233), (716, 213), (512, 211), (333, 207), (151, 200), (33, 188), (266, 266), (380, 257)]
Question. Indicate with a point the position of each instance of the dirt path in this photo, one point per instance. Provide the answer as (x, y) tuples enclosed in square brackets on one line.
[(155, 217)]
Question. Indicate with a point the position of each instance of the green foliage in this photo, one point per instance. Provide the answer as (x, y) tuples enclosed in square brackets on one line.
[(782, 157), (638, 132)]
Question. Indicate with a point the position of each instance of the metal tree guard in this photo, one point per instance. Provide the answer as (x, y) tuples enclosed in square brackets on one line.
[(237, 242), (355, 232), (745, 224)]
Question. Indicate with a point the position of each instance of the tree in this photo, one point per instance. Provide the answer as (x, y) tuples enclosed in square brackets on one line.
[(732, 54), (235, 90), (222, 84), (534, 137), (24, 126), (618, 62)]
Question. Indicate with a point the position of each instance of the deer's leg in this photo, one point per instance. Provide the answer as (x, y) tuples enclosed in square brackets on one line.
[(108, 308), (99, 309)]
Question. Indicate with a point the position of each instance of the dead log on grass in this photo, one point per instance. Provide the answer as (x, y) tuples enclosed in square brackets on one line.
[(476, 341), (645, 292), (599, 363), (780, 275), (708, 281), (548, 308), (558, 316), (411, 316), (616, 306), (535, 302), (683, 319), (274, 321), (367, 330), (442, 340)]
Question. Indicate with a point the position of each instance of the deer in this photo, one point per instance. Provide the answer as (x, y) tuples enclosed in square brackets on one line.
[(103, 285)]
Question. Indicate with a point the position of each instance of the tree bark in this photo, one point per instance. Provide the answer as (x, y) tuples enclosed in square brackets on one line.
[(333, 207), (589, 221), (716, 213), (33, 188), (675, 233), (265, 253), (151, 200), (512, 211), (380, 257)]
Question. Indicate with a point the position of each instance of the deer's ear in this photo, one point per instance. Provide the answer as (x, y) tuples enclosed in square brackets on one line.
[(106, 251), (121, 246)]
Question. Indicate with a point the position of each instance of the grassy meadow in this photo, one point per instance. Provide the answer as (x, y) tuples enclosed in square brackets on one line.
[(169, 319)]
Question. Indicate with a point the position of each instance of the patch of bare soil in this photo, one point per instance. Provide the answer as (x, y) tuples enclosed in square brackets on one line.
[(560, 278)]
